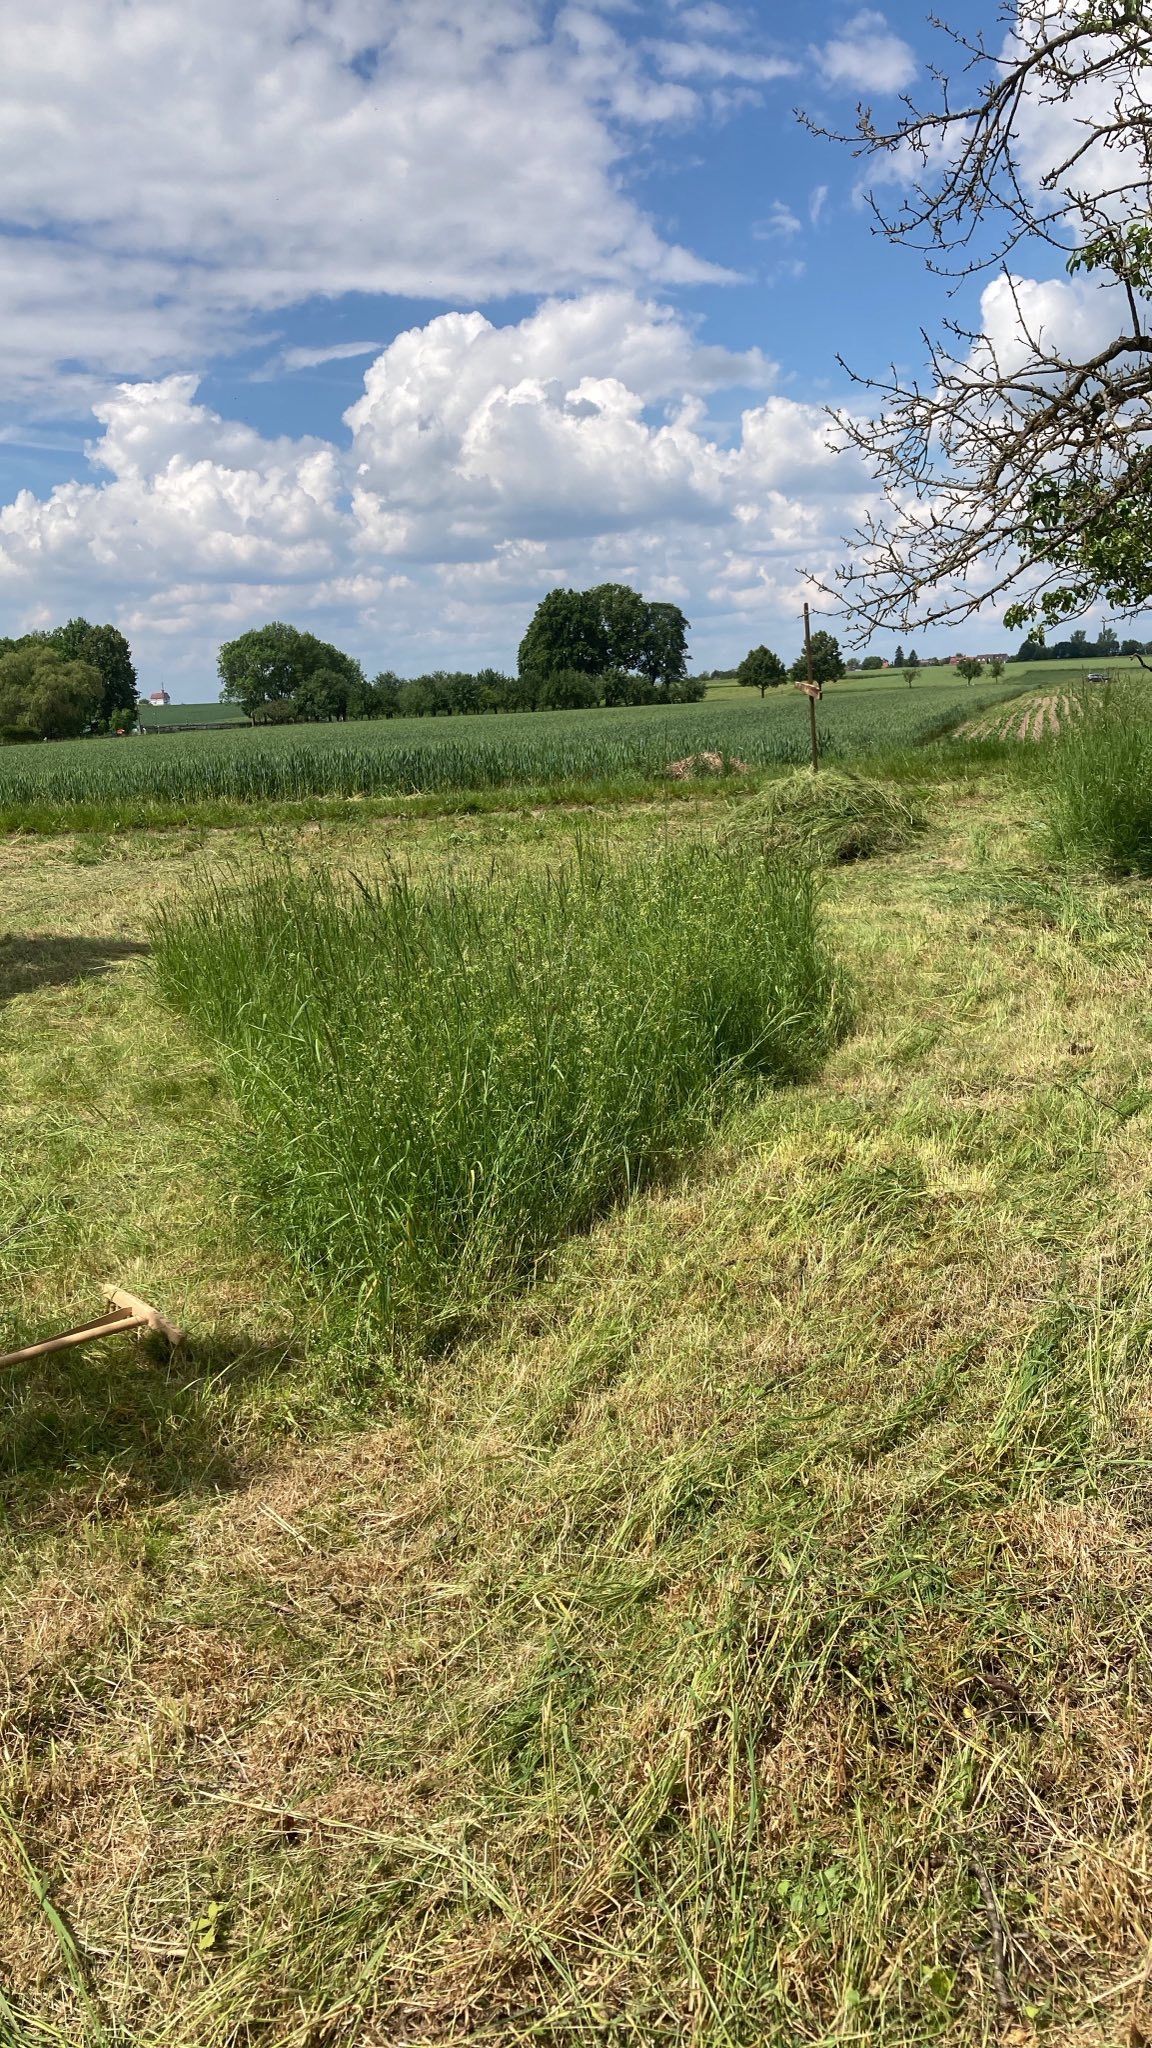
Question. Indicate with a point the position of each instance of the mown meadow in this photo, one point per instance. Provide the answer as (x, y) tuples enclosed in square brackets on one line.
[(141, 778), (647, 1541)]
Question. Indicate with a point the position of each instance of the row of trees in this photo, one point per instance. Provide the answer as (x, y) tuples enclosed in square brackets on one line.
[(1078, 647), (73, 679), (854, 665), (606, 646), (763, 670), (443, 693), (872, 662)]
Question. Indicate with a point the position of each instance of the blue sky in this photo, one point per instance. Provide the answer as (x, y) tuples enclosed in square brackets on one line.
[(385, 316)]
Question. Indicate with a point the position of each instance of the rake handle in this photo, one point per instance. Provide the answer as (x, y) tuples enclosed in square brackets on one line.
[(103, 1326), (127, 1312)]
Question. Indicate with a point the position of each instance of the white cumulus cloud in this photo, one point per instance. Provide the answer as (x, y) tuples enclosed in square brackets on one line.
[(867, 56), (482, 464), (1023, 316), (169, 172), (186, 493), (467, 431)]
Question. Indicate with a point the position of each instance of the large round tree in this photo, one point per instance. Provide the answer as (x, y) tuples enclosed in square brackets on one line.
[(105, 649), (761, 670), (605, 629), (827, 660), (272, 664), (44, 695)]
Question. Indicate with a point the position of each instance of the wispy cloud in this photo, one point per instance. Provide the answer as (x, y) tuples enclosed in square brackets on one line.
[(336, 352), (708, 60), (27, 438), (710, 19), (779, 224), (867, 56)]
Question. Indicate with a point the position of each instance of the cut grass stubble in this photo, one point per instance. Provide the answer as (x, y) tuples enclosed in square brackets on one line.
[(441, 1083)]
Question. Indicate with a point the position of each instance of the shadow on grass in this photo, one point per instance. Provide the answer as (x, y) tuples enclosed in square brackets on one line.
[(32, 962), (122, 1424)]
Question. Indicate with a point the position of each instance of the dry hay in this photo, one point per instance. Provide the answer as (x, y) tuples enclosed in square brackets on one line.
[(708, 763)]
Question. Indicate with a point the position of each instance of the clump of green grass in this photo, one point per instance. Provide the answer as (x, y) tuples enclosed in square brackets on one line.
[(834, 816), (441, 1083), (1098, 794)]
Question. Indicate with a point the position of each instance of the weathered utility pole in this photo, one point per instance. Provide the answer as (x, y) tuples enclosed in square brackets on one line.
[(811, 691)]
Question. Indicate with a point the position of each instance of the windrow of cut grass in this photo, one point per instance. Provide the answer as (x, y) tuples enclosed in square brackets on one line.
[(829, 818), (440, 1083), (140, 780), (1039, 715)]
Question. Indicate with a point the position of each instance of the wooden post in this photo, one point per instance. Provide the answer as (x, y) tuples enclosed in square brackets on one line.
[(811, 693)]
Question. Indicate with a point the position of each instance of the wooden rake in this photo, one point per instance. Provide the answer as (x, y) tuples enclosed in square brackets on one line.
[(127, 1312)]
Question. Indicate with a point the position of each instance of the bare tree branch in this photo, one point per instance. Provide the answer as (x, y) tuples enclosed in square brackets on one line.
[(1018, 465)]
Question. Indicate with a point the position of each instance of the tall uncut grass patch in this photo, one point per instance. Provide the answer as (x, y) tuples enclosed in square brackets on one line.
[(440, 1082), (1098, 794)]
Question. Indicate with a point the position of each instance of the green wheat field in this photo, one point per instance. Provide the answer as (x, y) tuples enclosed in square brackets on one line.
[(407, 757)]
